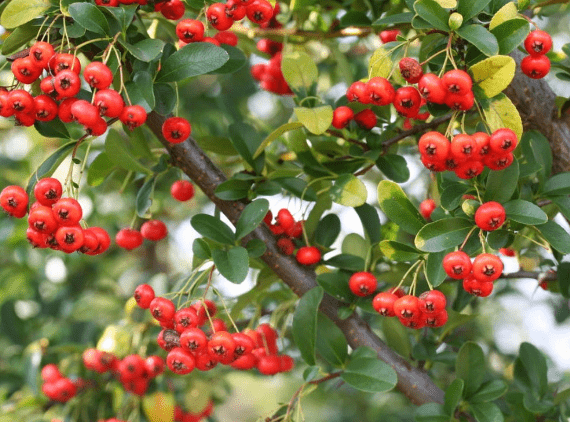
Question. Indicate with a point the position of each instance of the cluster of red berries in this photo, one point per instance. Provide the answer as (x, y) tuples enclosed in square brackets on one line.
[(190, 347), (427, 310), (288, 230), (192, 30), (53, 220), (56, 387), (467, 155), (63, 84), (129, 239), (270, 76), (181, 416), (537, 44), (223, 15), (478, 276), (134, 372)]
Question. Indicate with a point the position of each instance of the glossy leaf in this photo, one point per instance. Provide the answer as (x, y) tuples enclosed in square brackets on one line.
[(370, 374), (299, 70), (19, 37), (511, 34), (117, 151), (470, 367), (233, 264), (398, 208), (500, 112), (434, 270), (164, 98), (452, 195), (502, 184), (305, 323), (487, 412), (18, 12), (201, 249), (558, 238), (380, 64), (232, 190), (327, 230), (246, 140), (251, 217), (443, 234), (396, 251), (346, 261), (370, 221), (336, 284), (433, 13), (431, 412), (275, 135), (471, 8), (559, 184), (563, 272), (212, 228), (90, 17), (453, 395), (507, 12), (144, 197), (52, 129), (297, 187), (397, 336), (50, 164), (397, 18), (192, 60), (146, 50), (255, 248), (236, 60), (99, 169), (525, 212), (489, 391), (348, 190), (494, 74), (331, 343), (394, 167), (536, 149), (317, 120), (481, 38)]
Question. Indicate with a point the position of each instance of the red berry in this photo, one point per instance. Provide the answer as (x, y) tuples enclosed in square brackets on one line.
[(64, 390), (133, 116), (476, 287), (42, 220), (98, 75), (407, 307), (14, 200), (25, 70), (85, 113), (41, 52), (410, 70), (432, 302), (185, 318), (180, 361), (469, 169), (457, 82), (499, 162), (503, 141), (285, 219), (259, 11), (235, 10), (269, 365), (431, 88), (383, 303), (128, 239), (182, 190), (67, 83), (45, 108), (67, 211), (463, 147), (109, 103), (436, 320), (426, 208), (190, 30), (308, 255), (176, 130), (162, 309), (286, 246), (507, 251), (50, 373), (342, 116), (358, 91), (462, 102), (366, 119), (144, 295), (216, 15), (222, 346), (244, 344), (535, 67), (154, 230), (69, 238), (228, 37), (407, 101), (389, 35), (457, 264), (487, 267), (154, 366), (490, 216), (538, 43), (434, 145), (381, 91), (64, 61), (194, 340), (362, 283), (173, 9), (64, 110), (19, 101), (103, 238), (432, 164), (416, 322)]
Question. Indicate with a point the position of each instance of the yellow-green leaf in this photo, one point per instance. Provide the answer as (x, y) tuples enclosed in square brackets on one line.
[(507, 12), (299, 70), (501, 112), (447, 4), (317, 120), (380, 64), (349, 191), (494, 74), (159, 407), (18, 12), (276, 134), (115, 339)]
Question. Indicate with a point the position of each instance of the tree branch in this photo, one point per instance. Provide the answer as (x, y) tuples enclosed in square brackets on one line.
[(412, 382)]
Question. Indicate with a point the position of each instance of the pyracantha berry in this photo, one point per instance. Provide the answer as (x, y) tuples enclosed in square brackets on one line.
[(538, 43), (144, 295), (457, 264), (182, 190), (342, 116), (487, 267), (426, 208), (128, 239), (490, 216), (411, 70), (383, 303), (535, 67), (362, 283), (308, 255)]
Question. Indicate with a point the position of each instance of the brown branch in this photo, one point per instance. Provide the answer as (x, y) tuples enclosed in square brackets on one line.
[(338, 134), (282, 33), (412, 382)]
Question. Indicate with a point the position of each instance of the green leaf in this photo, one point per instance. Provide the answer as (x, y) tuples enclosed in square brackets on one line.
[(348, 190), (18, 12), (563, 204), (525, 212), (481, 38), (487, 412), (297, 187), (511, 34), (452, 195), (471, 8), (500, 112), (50, 164), (256, 248), (164, 98), (117, 151), (396, 251), (558, 238), (453, 395), (502, 184), (124, 14), (397, 336), (336, 284), (380, 64), (494, 74), (52, 129), (317, 120), (327, 230), (394, 167), (90, 17), (159, 407), (370, 374), (431, 412), (448, 4), (398, 18), (354, 18), (498, 239), (251, 217), (99, 169), (433, 13), (275, 135), (398, 208), (558, 184), (192, 60), (370, 221), (443, 234), (246, 140), (434, 270), (143, 81), (356, 245), (489, 391), (536, 148), (470, 367), (146, 50), (201, 249), (144, 197), (212, 228), (299, 70), (232, 190), (507, 12), (305, 323), (331, 343), (346, 261), (563, 272), (232, 264), (236, 61), (18, 37)]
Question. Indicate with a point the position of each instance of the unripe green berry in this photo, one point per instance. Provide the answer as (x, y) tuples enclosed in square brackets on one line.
[(455, 21)]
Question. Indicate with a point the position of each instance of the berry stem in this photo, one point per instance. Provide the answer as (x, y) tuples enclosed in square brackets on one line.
[(467, 237), (483, 242), (406, 274), (221, 297), (432, 57)]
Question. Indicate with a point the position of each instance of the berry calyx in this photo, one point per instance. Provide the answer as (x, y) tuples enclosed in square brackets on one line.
[(432, 302), (383, 303)]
